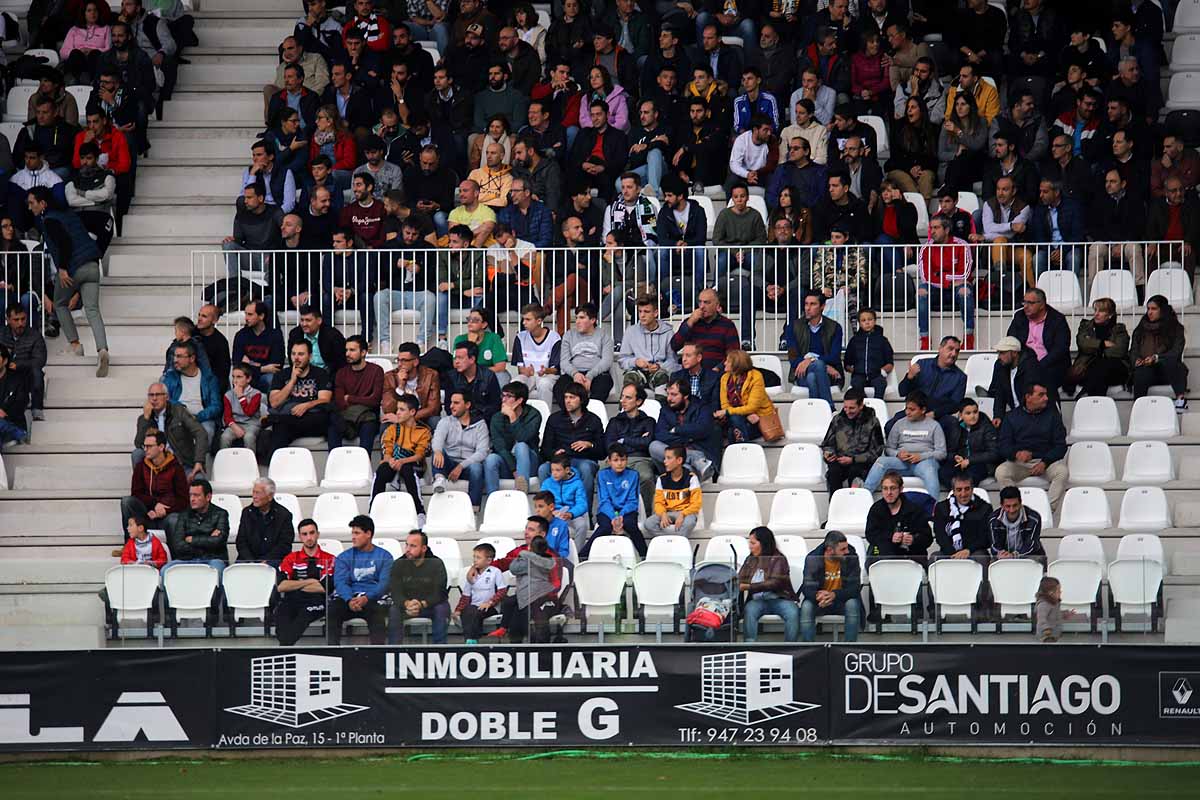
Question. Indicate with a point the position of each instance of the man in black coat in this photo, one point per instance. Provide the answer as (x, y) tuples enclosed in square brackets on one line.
[(266, 530), (1009, 378), (1116, 216), (329, 346), (1049, 355), (962, 522), (602, 171)]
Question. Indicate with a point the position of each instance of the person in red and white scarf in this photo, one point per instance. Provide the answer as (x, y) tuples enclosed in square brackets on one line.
[(377, 31), (944, 279)]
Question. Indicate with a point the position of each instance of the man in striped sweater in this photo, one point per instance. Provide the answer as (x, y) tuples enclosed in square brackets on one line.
[(708, 328)]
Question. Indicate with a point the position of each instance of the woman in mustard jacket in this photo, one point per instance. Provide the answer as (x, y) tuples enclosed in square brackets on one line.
[(744, 398)]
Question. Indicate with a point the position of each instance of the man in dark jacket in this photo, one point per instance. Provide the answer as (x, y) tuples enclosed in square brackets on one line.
[(806, 178), (186, 437), (266, 530), (704, 383), (852, 443), (814, 347), (1033, 443), (940, 378), (633, 429), (972, 444), (28, 348), (897, 526), (158, 489), (832, 585), (614, 148), (514, 429), (681, 249), (1116, 215), (328, 344), (962, 522), (200, 534), (478, 384), (418, 587), (1049, 354), (1015, 529), (1009, 378), (14, 398), (1169, 215), (841, 207), (687, 422), (577, 432)]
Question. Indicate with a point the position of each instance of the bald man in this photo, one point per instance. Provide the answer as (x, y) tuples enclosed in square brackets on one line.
[(215, 345)]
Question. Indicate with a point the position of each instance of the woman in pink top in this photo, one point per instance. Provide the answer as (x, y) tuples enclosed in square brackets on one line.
[(84, 44)]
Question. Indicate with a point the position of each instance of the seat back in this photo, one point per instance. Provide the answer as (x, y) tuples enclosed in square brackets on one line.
[(82, 95), (347, 466), (16, 109), (1062, 289), (1080, 581), (658, 583), (848, 510), (613, 548), (598, 408), (652, 408), (879, 406), (332, 546), (394, 547), (1141, 546), (543, 408), (1187, 17), (727, 549), (1095, 419), (769, 362), (917, 200), (235, 469), (448, 551), (736, 509), (1153, 418), (744, 465), (394, 513), (248, 588), (808, 420), (895, 584), (792, 547), (672, 548), (1117, 284), (979, 372), (1091, 462), (333, 511), (1148, 463), (292, 468), (131, 587), (1173, 284), (800, 463), (710, 212), (292, 504), (449, 513), (1082, 547), (505, 512), (1145, 508), (599, 584), (955, 583), (10, 131), (1014, 583), (1183, 90), (794, 511), (883, 149), (1039, 501), (1085, 508), (503, 544), (233, 506), (1135, 582), (189, 589)]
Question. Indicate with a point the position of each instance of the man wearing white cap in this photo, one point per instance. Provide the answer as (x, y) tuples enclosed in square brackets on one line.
[(1008, 379)]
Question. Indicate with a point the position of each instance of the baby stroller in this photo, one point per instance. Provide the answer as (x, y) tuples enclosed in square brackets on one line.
[(714, 586)]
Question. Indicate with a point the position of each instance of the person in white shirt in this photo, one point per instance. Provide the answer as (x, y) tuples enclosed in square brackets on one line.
[(751, 159), (535, 353), (1004, 219), (807, 128)]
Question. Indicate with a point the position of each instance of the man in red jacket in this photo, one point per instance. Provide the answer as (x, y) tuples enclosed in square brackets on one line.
[(944, 267), (377, 31), (159, 487), (114, 149)]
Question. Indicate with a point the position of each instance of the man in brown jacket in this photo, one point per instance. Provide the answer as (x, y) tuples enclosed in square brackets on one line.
[(159, 489), (409, 377)]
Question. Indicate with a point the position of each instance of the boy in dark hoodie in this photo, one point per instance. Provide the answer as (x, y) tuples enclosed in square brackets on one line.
[(868, 355), (972, 445)]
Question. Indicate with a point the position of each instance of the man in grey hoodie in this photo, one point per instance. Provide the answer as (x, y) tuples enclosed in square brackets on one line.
[(461, 443), (914, 447), (646, 357), (586, 356)]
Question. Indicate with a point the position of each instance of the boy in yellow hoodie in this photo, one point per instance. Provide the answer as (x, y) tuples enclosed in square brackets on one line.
[(677, 497), (404, 445)]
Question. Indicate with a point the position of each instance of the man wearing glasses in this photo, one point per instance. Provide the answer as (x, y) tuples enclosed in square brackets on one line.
[(1045, 339), (186, 437)]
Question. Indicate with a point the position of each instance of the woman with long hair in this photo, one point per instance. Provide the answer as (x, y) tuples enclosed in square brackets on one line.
[(526, 20), (332, 139), (962, 143), (1157, 352), (798, 215), (492, 354), (744, 398), (84, 43), (1103, 359), (600, 86), (570, 33), (913, 164), (766, 579)]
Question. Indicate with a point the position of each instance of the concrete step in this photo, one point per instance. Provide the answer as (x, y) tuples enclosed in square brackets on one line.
[(251, 29), (258, 5), (228, 69), (243, 107), (205, 221), (156, 182), (172, 144)]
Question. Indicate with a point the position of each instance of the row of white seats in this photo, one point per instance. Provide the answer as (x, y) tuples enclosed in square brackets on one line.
[(16, 107), (1063, 291)]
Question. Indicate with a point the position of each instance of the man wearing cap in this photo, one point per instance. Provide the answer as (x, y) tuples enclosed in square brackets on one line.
[(1008, 379), (387, 175)]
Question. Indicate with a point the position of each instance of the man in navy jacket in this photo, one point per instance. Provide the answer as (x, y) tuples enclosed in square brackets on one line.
[(1058, 220), (687, 422)]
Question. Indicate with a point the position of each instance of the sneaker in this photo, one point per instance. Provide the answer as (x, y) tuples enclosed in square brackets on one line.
[(521, 484), (706, 471), (443, 343), (499, 633), (77, 348), (39, 415), (471, 641), (1181, 405), (420, 521), (747, 345), (102, 364), (439, 484), (969, 344)]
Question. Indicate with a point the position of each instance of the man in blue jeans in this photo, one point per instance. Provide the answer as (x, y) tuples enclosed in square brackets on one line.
[(832, 585), (915, 445), (418, 588), (461, 444), (814, 346), (515, 430), (14, 397)]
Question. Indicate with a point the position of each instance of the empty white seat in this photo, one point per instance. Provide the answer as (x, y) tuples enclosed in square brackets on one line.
[(670, 547), (598, 408), (10, 131), (794, 511), (883, 149), (954, 583), (348, 469), (744, 465), (658, 586), (727, 549), (1187, 17), (794, 548), (919, 202), (1182, 92), (1085, 508), (384, 363), (1153, 418), (858, 545), (1095, 419), (652, 408), (16, 109), (599, 586), (293, 469), (710, 212), (1082, 547), (1117, 284), (1039, 501), (543, 408), (895, 585), (394, 513), (395, 547), (1135, 585), (292, 504), (189, 589), (505, 511), (248, 589), (131, 589), (1136, 546), (82, 95), (880, 408), (1148, 463), (848, 510), (613, 548), (1185, 53), (333, 511), (979, 372), (771, 363), (736, 511), (1014, 584), (332, 546), (1062, 290), (1174, 284), (235, 469), (1091, 463), (1080, 581), (1144, 508), (503, 544), (448, 551), (50, 56), (233, 506), (449, 513), (808, 420), (800, 464)]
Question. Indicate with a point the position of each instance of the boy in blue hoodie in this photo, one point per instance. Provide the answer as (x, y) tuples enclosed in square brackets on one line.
[(868, 354), (558, 534), (570, 499), (617, 512)]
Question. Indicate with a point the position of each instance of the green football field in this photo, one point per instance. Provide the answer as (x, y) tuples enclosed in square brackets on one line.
[(567, 775)]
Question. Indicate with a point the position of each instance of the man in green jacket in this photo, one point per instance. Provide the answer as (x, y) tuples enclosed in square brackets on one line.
[(418, 589), (515, 429), (199, 535)]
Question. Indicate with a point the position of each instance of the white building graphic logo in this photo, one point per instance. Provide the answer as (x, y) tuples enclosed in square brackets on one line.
[(296, 690), (747, 688)]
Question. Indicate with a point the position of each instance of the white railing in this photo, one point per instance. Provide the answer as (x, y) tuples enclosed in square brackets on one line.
[(425, 294), (25, 278)]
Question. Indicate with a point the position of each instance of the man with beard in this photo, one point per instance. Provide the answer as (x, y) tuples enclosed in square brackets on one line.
[(542, 175)]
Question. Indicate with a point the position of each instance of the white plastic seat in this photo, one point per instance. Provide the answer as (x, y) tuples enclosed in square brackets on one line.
[(348, 469), (1184, 89), (505, 512), (1117, 284), (1091, 463), (503, 544), (808, 420), (1148, 463), (248, 589), (670, 547), (10, 131), (954, 583), (332, 546), (651, 407), (395, 547), (771, 363), (131, 589), (917, 200), (292, 504), (16, 109), (448, 551), (1085, 508), (658, 586), (710, 212), (1185, 53), (1141, 546), (744, 465), (449, 513), (235, 469), (1014, 584), (1153, 418), (1174, 284), (895, 585), (1082, 547), (1135, 584), (736, 511), (333, 511), (794, 511), (1039, 501), (599, 586), (394, 513), (82, 95), (727, 549), (848, 511), (879, 406), (598, 408), (1096, 419), (385, 363), (233, 506), (51, 57), (979, 372), (293, 469), (1080, 581), (1187, 17), (858, 545), (794, 548), (800, 464), (189, 589), (1144, 508), (613, 548), (543, 408), (1062, 290), (883, 148), (968, 202)]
